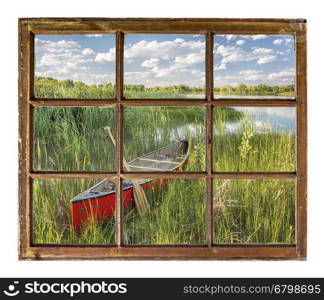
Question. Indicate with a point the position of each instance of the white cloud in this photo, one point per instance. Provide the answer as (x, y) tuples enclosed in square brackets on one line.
[(109, 56), (262, 51), (252, 75), (266, 59), (229, 37), (165, 49), (150, 63), (284, 74), (278, 41), (166, 76), (232, 54), (258, 37), (94, 35), (220, 67), (240, 42), (68, 60), (59, 46), (87, 51), (190, 59)]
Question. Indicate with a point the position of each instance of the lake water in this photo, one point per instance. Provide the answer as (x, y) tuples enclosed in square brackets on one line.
[(275, 119)]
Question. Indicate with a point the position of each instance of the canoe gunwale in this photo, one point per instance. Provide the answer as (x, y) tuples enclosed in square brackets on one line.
[(93, 197)]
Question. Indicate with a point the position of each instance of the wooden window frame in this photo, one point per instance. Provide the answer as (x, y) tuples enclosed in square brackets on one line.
[(209, 27)]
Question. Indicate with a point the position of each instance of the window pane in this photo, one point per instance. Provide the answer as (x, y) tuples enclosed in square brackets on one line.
[(164, 66), (255, 139), (73, 139), (75, 66), (177, 214), (254, 65), (164, 138), (62, 215), (254, 211)]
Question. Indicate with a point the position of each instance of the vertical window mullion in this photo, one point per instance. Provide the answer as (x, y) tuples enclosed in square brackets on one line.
[(119, 136), (301, 209), (209, 136)]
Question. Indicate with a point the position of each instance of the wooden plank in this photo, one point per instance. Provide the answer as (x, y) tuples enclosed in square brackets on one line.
[(88, 26), (169, 174), (163, 252), (159, 161), (23, 157), (275, 102), (119, 65), (252, 175), (148, 168), (72, 175), (165, 102), (301, 202)]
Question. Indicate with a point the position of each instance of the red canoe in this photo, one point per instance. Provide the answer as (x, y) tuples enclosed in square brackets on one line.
[(98, 202)]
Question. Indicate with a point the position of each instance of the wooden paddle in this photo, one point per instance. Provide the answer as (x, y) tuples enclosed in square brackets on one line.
[(140, 198)]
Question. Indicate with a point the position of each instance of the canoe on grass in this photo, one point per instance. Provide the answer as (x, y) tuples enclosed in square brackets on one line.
[(98, 202)]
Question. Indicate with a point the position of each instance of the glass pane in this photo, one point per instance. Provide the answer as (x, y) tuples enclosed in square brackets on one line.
[(73, 139), (177, 213), (75, 66), (164, 66), (254, 66), (164, 139), (255, 139), (70, 211), (254, 211)]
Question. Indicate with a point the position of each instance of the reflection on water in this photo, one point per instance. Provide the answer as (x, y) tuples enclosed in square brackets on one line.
[(274, 119)]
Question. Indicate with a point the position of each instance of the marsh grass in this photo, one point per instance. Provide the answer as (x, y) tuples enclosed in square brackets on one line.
[(72, 139), (178, 215), (254, 211), (250, 150)]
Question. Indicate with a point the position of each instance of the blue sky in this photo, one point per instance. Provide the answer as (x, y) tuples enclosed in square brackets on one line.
[(162, 60), (254, 59)]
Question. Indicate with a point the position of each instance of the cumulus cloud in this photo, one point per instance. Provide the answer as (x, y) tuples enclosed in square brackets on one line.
[(278, 41), (105, 57), (94, 35), (150, 63), (164, 49), (258, 37), (262, 51), (266, 59), (220, 67), (240, 42), (284, 74), (87, 51), (59, 46), (252, 75), (231, 54)]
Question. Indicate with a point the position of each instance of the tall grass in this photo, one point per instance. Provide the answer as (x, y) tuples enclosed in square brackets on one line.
[(254, 211), (72, 139), (249, 149)]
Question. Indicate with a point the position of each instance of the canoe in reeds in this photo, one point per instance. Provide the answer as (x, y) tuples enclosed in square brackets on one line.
[(98, 202)]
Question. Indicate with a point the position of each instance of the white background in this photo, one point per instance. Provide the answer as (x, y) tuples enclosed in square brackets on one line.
[(11, 10)]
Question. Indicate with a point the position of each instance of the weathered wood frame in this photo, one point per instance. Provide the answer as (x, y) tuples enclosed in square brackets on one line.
[(209, 27)]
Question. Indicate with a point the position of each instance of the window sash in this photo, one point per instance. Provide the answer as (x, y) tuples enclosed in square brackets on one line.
[(27, 102)]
